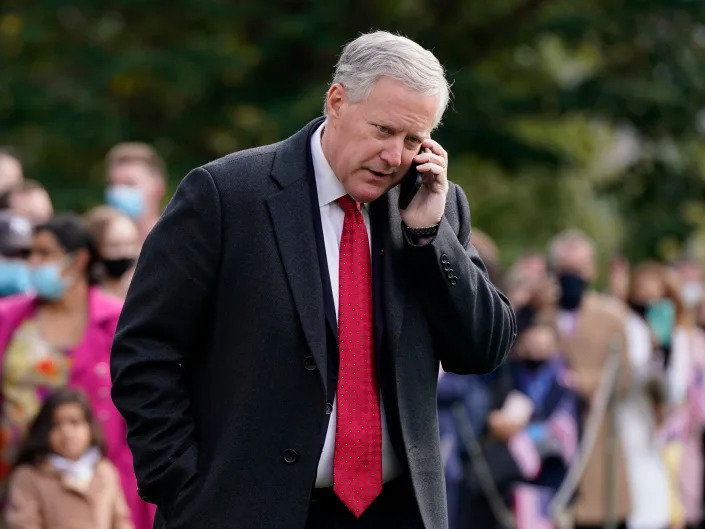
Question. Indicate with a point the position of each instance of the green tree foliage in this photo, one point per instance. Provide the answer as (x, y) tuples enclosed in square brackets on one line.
[(583, 113)]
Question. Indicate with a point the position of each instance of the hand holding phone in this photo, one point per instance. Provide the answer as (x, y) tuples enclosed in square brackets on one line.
[(423, 190), (410, 185)]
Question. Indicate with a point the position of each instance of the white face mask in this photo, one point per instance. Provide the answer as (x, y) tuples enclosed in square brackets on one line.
[(691, 293)]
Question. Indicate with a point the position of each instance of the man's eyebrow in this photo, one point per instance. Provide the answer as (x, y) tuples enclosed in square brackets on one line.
[(421, 136)]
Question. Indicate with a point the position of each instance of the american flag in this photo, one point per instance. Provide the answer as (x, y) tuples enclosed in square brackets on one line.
[(531, 507), (564, 428)]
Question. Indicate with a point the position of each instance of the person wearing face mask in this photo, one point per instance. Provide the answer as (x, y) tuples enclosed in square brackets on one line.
[(549, 425), (690, 274), (118, 243), (15, 240), (534, 434), (640, 412), (678, 346), (57, 335), (30, 199), (592, 327), (524, 418), (136, 183)]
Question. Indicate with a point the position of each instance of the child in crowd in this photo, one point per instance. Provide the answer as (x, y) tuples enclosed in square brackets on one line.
[(62, 479), (539, 422), (523, 418)]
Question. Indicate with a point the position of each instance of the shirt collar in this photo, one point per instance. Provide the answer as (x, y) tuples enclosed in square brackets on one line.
[(328, 187)]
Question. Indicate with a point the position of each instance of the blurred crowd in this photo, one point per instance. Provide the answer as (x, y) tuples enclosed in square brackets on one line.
[(596, 419), (64, 460)]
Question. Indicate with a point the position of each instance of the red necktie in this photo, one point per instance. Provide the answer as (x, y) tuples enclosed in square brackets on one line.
[(357, 461)]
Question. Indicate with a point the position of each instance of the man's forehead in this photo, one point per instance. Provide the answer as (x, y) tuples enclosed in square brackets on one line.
[(403, 108), (133, 171), (7, 162), (574, 254)]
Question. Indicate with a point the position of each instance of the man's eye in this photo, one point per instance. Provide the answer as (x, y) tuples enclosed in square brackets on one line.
[(383, 129)]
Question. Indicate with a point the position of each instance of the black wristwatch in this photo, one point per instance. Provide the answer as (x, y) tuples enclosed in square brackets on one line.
[(425, 231)]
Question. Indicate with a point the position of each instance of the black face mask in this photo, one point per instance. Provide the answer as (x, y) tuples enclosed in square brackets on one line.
[(572, 290), (531, 364), (116, 268), (639, 308), (525, 317)]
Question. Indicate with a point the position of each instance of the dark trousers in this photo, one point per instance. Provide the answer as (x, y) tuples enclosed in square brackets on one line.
[(395, 508)]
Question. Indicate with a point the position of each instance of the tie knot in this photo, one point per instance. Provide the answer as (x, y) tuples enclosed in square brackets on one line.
[(348, 204)]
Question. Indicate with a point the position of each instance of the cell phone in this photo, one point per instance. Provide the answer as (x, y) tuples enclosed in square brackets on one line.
[(410, 185)]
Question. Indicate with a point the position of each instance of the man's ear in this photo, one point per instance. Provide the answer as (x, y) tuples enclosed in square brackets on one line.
[(336, 98)]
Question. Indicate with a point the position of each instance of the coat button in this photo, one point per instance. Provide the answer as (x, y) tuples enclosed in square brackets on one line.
[(290, 456), (329, 408), (447, 267), (451, 273), (309, 363), (454, 281), (444, 259)]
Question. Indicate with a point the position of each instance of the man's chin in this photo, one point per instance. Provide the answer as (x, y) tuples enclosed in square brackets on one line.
[(366, 197), (368, 193)]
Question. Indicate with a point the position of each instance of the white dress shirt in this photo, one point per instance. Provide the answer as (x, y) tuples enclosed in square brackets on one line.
[(329, 191)]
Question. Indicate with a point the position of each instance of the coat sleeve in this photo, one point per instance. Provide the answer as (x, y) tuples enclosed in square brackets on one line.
[(160, 331), (474, 325), (23, 509)]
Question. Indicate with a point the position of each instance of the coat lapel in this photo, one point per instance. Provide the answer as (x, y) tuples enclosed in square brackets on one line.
[(291, 213)]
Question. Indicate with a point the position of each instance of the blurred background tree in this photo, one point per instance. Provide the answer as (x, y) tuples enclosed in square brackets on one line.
[(587, 113)]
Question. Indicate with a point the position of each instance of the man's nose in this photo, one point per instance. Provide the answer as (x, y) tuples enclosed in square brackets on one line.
[(391, 155)]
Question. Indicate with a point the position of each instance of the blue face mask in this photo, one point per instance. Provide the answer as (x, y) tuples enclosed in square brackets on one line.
[(127, 199), (661, 316), (47, 282), (14, 278)]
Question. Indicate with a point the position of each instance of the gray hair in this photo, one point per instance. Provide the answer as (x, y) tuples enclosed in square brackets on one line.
[(374, 55), (571, 237)]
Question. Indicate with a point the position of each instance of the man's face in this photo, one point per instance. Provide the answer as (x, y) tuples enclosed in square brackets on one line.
[(10, 172), (139, 176), (689, 271), (538, 342), (34, 204), (121, 239), (648, 288), (371, 144), (575, 258)]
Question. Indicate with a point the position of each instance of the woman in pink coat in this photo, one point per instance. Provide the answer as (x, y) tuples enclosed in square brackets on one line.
[(61, 336)]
